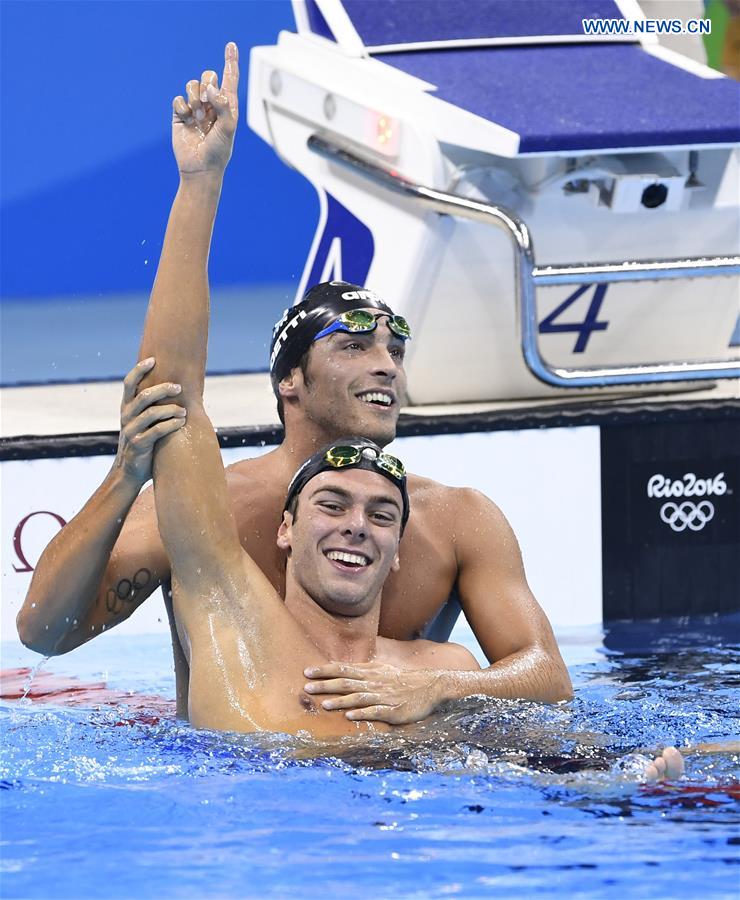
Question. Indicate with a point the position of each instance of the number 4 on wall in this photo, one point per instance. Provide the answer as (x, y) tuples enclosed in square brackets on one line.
[(583, 329)]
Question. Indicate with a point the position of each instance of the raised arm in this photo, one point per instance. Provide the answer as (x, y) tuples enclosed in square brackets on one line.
[(176, 327), (110, 557), (194, 512), (224, 606)]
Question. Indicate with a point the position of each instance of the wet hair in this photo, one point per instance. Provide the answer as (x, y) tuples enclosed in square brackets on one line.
[(293, 335), (318, 463)]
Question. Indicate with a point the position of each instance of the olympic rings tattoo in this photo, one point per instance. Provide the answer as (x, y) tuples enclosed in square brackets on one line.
[(126, 590)]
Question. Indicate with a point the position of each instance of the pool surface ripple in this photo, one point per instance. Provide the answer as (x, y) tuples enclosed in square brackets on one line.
[(118, 799)]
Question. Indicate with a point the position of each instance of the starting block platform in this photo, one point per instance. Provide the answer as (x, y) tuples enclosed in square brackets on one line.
[(520, 190)]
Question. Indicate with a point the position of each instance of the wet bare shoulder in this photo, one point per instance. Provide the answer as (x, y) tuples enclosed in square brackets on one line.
[(426, 491), (449, 506), (421, 654), (257, 481), (259, 470), (430, 497)]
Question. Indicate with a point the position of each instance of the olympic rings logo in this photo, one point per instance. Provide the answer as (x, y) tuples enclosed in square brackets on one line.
[(693, 516)]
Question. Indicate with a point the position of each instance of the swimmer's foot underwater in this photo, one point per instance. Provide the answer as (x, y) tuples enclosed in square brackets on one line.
[(669, 765)]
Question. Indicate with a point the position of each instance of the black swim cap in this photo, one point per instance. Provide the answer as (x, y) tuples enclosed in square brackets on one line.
[(300, 324), (368, 456)]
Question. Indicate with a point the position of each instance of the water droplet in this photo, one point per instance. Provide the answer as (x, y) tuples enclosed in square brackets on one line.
[(31, 675)]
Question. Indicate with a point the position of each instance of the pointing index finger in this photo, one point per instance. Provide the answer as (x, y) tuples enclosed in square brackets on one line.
[(230, 80)]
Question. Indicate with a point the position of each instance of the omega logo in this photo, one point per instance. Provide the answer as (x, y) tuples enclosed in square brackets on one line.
[(25, 566)]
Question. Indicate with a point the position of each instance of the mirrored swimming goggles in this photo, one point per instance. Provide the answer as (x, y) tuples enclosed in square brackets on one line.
[(348, 455), (360, 321)]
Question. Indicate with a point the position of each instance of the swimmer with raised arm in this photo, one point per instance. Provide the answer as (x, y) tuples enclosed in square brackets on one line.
[(458, 550), (345, 510)]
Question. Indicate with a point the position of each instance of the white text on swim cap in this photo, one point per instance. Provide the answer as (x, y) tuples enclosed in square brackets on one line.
[(278, 325), (283, 336), (361, 295)]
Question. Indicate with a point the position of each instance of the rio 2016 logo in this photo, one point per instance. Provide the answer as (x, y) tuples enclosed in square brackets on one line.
[(687, 514)]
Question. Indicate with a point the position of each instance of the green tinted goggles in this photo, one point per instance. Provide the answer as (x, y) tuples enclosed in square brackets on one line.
[(360, 321), (347, 455)]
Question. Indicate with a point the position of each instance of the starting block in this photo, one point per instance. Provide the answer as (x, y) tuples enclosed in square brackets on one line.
[(554, 212)]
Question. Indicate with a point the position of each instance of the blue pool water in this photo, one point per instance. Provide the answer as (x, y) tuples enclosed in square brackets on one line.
[(490, 799)]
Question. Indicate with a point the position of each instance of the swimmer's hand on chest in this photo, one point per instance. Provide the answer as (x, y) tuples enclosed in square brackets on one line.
[(377, 692)]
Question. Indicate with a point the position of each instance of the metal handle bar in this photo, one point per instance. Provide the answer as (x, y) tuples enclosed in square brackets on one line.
[(528, 277)]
